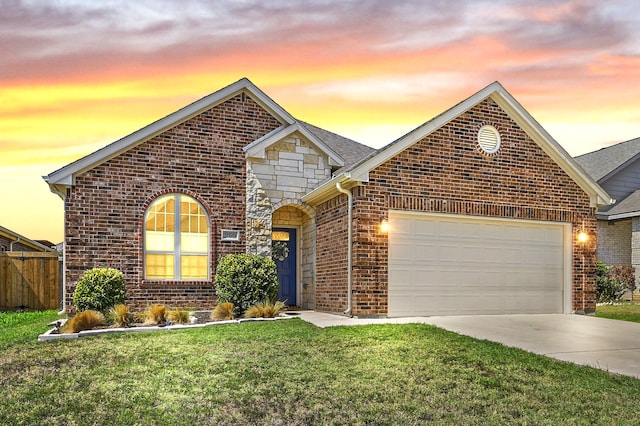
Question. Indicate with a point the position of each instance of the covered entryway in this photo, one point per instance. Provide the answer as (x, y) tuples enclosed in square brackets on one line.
[(464, 265), (293, 227)]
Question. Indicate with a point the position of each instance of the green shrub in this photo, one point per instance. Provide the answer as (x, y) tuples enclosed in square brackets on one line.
[(245, 280), (608, 289), (99, 289)]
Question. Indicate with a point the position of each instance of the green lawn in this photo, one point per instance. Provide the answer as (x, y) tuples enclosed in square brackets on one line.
[(290, 372), (628, 311)]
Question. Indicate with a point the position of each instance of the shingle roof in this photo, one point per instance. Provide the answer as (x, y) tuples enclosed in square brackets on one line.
[(628, 207), (350, 150), (599, 164)]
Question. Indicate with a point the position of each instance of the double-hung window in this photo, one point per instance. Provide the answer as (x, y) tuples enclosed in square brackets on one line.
[(176, 239)]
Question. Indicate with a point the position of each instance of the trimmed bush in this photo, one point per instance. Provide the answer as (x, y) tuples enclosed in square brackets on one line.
[(245, 280), (99, 289)]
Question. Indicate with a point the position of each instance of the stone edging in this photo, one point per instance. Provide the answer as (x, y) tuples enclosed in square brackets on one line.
[(49, 336)]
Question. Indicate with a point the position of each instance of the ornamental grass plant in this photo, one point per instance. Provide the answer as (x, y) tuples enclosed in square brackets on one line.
[(85, 320), (178, 316), (223, 312), (120, 315), (155, 315), (266, 309)]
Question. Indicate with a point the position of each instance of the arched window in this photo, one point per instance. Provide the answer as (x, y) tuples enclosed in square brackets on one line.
[(176, 239)]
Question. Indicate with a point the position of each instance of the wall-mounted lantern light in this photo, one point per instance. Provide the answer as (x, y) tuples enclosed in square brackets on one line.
[(583, 237), (384, 226)]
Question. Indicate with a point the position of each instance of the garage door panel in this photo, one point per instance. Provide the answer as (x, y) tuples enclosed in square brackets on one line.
[(469, 265)]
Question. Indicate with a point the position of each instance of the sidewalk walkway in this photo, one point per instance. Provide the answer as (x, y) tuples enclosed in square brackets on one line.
[(324, 319)]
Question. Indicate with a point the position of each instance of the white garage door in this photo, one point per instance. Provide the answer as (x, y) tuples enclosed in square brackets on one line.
[(461, 265)]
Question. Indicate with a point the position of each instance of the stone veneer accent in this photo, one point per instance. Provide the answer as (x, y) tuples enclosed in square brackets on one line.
[(291, 168), (445, 173), (201, 157)]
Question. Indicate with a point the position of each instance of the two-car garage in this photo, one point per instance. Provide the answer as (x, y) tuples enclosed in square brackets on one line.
[(463, 265)]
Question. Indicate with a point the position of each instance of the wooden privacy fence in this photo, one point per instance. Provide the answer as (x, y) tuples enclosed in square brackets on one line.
[(29, 280)]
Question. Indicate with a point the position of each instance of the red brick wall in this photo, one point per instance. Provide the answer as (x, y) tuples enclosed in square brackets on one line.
[(201, 157), (445, 172), (331, 255)]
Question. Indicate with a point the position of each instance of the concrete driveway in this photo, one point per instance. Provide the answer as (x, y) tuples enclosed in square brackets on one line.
[(609, 345), (606, 344)]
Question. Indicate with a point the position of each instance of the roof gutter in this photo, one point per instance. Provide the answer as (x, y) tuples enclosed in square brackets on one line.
[(349, 244)]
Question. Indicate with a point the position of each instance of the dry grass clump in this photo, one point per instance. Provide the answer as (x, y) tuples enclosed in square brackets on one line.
[(155, 314), (265, 309), (222, 311), (85, 320), (120, 315), (178, 316)]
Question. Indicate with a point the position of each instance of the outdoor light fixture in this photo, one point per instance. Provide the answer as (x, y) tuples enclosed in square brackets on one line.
[(583, 237), (384, 226)]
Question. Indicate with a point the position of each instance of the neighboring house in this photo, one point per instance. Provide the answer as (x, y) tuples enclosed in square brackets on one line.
[(12, 241), (617, 170), (483, 210)]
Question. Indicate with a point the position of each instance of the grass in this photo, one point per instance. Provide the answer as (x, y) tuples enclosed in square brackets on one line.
[(627, 311), (21, 327), (290, 372)]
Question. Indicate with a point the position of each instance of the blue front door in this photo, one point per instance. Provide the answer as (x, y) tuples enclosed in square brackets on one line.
[(285, 256)]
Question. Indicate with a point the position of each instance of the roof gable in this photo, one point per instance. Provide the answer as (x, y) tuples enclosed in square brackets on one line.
[(64, 177), (257, 148), (359, 172)]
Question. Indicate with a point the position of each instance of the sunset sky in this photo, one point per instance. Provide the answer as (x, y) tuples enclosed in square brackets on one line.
[(76, 75)]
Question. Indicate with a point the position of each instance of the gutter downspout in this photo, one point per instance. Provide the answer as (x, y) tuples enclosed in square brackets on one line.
[(14, 242), (349, 244)]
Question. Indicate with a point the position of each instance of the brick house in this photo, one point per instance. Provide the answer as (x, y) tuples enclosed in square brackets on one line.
[(483, 209), (616, 168)]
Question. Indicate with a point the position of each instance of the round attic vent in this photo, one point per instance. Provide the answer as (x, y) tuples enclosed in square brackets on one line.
[(489, 139)]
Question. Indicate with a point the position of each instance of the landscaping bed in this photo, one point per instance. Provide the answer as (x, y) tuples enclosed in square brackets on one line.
[(54, 333)]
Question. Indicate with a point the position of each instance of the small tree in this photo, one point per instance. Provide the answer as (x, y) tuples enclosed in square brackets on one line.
[(99, 289), (245, 280)]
